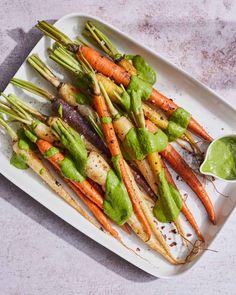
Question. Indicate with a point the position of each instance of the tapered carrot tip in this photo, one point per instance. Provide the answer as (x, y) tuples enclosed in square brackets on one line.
[(195, 127), (211, 215), (201, 238), (213, 220)]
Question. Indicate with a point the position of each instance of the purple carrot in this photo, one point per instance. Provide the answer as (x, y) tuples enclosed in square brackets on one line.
[(78, 122)]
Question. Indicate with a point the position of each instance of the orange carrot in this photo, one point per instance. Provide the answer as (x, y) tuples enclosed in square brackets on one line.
[(182, 168), (99, 189), (96, 186), (168, 106), (189, 216), (97, 212), (151, 127), (107, 128), (85, 187), (91, 196), (185, 210), (168, 175), (113, 145), (108, 68), (126, 228), (104, 65)]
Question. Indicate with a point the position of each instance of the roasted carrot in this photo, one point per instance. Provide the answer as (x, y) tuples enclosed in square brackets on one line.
[(86, 188), (99, 164), (91, 31), (182, 168), (168, 106), (108, 129), (189, 216), (185, 210), (108, 68), (97, 212), (104, 65), (36, 164), (114, 148)]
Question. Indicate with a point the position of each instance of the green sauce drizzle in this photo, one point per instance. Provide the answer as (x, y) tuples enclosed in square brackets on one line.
[(81, 98), (136, 84), (30, 136), (117, 204), (41, 171), (51, 152), (23, 145), (69, 171), (169, 203), (221, 159), (60, 110), (23, 142), (139, 142), (115, 160), (137, 91), (72, 141), (125, 101), (106, 120), (19, 161), (144, 71), (178, 124)]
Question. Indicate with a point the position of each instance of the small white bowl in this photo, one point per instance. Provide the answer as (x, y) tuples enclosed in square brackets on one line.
[(207, 152)]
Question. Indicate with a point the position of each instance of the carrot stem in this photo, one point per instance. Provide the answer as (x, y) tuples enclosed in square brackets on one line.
[(52, 32), (182, 168), (9, 130), (102, 40), (32, 88), (114, 148), (43, 70)]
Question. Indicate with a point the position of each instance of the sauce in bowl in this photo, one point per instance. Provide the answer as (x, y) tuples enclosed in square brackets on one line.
[(220, 158)]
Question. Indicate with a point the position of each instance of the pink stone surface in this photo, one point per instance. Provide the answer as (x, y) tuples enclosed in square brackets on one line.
[(41, 254)]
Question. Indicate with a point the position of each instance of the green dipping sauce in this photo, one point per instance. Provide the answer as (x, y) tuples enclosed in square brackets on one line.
[(221, 158)]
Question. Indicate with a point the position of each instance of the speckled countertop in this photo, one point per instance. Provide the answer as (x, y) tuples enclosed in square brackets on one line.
[(41, 254)]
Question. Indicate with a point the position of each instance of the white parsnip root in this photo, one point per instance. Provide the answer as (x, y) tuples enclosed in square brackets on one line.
[(39, 168), (97, 170)]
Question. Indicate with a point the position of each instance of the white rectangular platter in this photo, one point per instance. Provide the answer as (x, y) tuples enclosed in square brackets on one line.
[(209, 109)]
